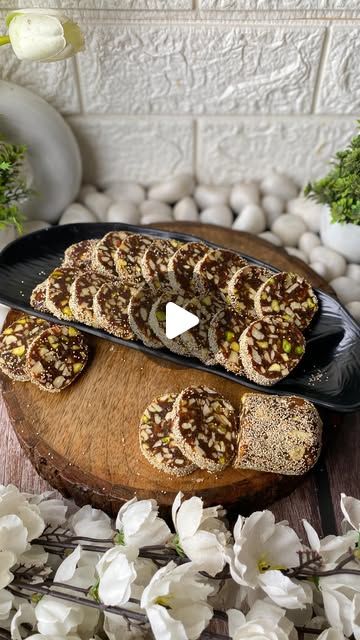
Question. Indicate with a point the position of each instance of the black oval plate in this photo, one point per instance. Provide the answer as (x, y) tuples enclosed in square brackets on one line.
[(328, 375)]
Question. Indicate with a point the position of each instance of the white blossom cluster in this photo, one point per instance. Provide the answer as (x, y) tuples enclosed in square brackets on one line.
[(74, 574)]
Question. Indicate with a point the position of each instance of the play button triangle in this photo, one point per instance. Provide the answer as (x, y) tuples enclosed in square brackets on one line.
[(178, 320)]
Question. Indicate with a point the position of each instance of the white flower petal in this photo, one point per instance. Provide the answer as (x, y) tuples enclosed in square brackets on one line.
[(35, 556), (6, 601), (331, 634), (13, 534), (205, 551), (24, 615), (312, 536), (68, 566), (30, 515), (115, 582), (188, 517), (236, 619), (287, 593), (7, 560), (58, 617), (91, 520), (355, 616), (164, 627), (53, 512), (351, 510)]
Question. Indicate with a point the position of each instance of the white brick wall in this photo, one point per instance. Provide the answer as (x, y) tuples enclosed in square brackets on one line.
[(225, 88)]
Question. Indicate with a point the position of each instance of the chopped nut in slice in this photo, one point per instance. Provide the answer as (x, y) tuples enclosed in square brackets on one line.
[(214, 270), (225, 330), (280, 434), (104, 252), (14, 344), (58, 292), (139, 309), (197, 339), (111, 309), (157, 441), (157, 320), (243, 287), (80, 255), (128, 259), (182, 264), (82, 294), (154, 263), (288, 295), (38, 297), (56, 357), (205, 427), (270, 348)]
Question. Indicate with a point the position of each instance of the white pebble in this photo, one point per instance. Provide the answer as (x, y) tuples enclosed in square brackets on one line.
[(292, 251), (346, 289), (186, 209), (335, 263), (289, 228), (251, 219), (98, 203), (353, 271), (308, 241), (308, 210), (321, 269), (271, 237), (242, 194), (76, 212), (156, 208), (220, 214), (131, 191), (3, 313), (7, 235), (207, 195), (123, 211), (273, 207), (152, 218), (85, 190), (35, 225), (173, 189), (354, 309), (278, 184)]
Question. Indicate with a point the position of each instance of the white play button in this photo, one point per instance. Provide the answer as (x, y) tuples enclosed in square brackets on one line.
[(178, 320)]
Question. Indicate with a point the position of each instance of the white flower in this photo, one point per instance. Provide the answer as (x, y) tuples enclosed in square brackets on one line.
[(13, 503), (78, 569), (116, 571), (13, 534), (24, 615), (355, 616), (58, 617), (341, 600), (138, 524), (91, 522), (6, 602), (332, 547), (262, 549), (351, 510), (175, 601), (7, 560), (43, 34), (201, 535), (331, 634), (263, 622)]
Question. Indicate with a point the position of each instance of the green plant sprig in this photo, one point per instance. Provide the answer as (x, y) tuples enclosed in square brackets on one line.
[(340, 188), (13, 187)]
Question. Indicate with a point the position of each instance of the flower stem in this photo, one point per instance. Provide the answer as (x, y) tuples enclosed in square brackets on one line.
[(4, 40)]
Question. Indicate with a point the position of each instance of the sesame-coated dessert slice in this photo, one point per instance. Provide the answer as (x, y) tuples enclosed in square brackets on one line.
[(140, 305), (38, 297), (270, 348), (15, 341), (287, 295), (58, 286), (278, 434), (225, 331), (82, 293), (80, 255), (154, 263), (182, 264), (56, 357), (105, 250), (157, 320), (111, 309), (128, 259), (214, 271), (243, 286), (157, 442), (197, 339), (205, 427)]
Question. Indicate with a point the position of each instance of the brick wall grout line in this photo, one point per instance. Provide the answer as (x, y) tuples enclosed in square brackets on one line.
[(321, 70)]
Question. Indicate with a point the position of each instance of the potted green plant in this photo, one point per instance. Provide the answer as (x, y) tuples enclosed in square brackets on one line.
[(339, 191)]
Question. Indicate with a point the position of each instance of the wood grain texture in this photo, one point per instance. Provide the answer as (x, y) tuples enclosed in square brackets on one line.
[(84, 441)]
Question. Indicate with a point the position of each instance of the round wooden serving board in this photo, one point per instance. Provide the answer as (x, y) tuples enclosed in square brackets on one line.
[(84, 441)]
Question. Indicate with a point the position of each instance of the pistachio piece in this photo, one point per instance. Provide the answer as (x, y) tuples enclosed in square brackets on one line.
[(235, 346), (275, 305), (286, 345), (161, 315), (229, 335)]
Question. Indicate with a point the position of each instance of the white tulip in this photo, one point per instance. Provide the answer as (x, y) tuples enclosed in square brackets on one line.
[(93, 520), (43, 34), (351, 510), (264, 621), (176, 604), (116, 571), (138, 524), (200, 533), (331, 548), (57, 617)]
